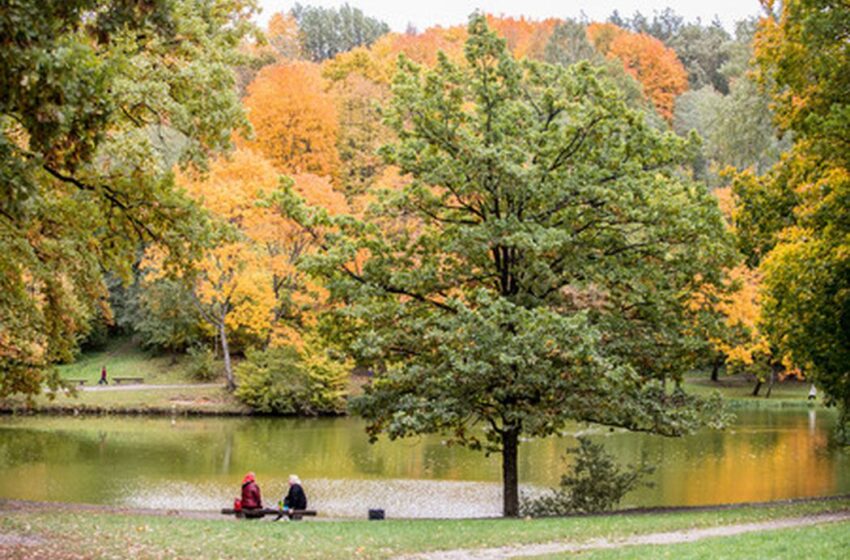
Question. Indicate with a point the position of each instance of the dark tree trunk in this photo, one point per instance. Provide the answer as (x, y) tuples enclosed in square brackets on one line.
[(510, 478), (225, 350), (715, 367), (773, 371), (757, 387)]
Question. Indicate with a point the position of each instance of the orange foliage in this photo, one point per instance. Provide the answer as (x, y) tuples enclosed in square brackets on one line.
[(526, 38), (282, 35), (294, 119), (655, 66)]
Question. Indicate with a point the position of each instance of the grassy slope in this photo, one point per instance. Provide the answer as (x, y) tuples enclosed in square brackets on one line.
[(87, 534), (124, 358)]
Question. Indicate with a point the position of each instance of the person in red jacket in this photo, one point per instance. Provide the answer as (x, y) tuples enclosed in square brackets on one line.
[(251, 498)]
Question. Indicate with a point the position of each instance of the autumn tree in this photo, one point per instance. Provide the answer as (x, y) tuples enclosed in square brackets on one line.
[(282, 35), (801, 50), (655, 66), (361, 131), (98, 99), (232, 282), (294, 119), (542, 274), (525, 38)]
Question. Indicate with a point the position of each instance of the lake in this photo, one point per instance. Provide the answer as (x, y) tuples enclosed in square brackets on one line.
[(198, 463)]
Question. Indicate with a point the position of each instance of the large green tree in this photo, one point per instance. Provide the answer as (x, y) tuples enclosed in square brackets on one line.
[(535, 267), (797, 216), (98, 99)]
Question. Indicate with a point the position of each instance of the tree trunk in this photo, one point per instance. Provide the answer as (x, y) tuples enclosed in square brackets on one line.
[(757, 387), (225, 351), (715, 368), (772, 381), (510, 478)]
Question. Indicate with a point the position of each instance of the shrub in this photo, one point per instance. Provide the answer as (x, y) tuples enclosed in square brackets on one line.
[(595, 483), (202, 363), (285, 381)]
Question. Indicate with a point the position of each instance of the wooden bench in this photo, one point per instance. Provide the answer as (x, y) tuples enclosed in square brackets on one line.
[(119, 380), (294, 514), (75, 381)]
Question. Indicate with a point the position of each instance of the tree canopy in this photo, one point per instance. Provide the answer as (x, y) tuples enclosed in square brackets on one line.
[(532, 268), (797, 215), (326, 32), (98, 100)]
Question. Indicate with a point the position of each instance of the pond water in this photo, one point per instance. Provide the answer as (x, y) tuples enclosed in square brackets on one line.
[(198, 463)]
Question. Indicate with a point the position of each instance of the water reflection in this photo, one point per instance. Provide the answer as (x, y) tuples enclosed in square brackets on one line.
[(197, 463)]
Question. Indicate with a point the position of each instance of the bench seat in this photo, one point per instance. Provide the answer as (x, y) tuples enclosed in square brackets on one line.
[(278, 513), (119, 380)]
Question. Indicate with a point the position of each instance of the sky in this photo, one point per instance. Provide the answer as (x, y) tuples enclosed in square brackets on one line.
[(425, 13)]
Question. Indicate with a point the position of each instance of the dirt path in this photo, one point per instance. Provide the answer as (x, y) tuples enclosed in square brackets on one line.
[(671, 537), (142, 387)]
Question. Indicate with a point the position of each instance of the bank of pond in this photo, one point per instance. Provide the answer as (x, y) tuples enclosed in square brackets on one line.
[(191, 463)]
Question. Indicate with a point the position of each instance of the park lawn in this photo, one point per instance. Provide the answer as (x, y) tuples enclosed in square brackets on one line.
[(124, 358), (196, 399), (737, 389), (72, 534), (830, 540)]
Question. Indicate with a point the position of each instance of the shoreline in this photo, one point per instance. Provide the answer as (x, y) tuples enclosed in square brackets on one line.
[(15, 505)]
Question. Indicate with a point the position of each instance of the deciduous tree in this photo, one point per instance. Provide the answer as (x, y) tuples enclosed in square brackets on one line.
[(543, 269), (294, 118), (801, 49), (98, 100)]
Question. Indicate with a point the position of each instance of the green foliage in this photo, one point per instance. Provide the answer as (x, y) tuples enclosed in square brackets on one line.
[(326, 32), (803, 62), (201, 366), (595, 483), (163, 315), (738, 129), (569, 44), (535, 269), (97, 100), (284, 380)]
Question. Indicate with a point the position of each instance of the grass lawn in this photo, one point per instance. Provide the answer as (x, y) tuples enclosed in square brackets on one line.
[(208, 400), (123, 358), (830, 540), (69, 534), (738, 390)]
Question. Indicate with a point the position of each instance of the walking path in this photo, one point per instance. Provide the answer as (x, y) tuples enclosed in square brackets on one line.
[(671, 537), (142, 387)]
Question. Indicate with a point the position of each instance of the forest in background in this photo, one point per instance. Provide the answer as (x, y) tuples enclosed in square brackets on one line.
[(305, 198)]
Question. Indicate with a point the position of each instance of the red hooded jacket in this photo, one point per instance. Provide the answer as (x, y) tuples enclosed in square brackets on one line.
[(251, 498)]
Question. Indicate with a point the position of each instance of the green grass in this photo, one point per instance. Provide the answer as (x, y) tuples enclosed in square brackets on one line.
[(97, 534), (737, 389), (831, 540), (123, 358), (210, 400)]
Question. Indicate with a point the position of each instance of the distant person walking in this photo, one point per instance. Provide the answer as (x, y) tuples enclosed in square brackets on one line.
[(296, 498), (103, 380)]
